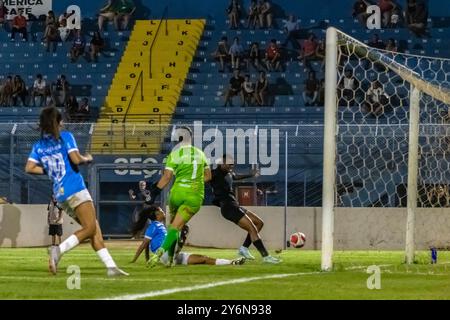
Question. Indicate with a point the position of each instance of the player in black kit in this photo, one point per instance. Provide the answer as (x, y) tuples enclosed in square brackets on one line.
[(225, 198)]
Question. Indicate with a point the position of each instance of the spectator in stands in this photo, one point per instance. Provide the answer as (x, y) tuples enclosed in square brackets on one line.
[(50, 21), (311, 89), (391, 45), (347, 88), (273, 56), (360, 11), (417, 18), (236, 52), (254, 57), (321, 93), (265, 14), (63, 31), (375, 42), (97, 44), (386, 8), (253, 16), (439, 196), (235, 88), (51, 32), (262, 88), (376, 99), (118, 10), (39, 90), (233, 11), (222, 53), (6, 92), (19, 24), (321, 52), (19, 91), (3, 13), (248, 91), (308, 51), (84, 110), (71, 108), (292, 28), (395, 18), (60, 90), (78, 46)]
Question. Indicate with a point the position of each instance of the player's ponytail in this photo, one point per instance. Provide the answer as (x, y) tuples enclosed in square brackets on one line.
[(49, 121), (143, 216)]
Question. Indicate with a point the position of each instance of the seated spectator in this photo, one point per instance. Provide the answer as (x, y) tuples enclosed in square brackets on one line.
[(254, 56), (265, 14), (253, 16), (60, 90), (375, 42), (308, 51), (292, 29), (321, 93), (360, 11), (78, 46), (391, 45), (50, 21), (417, 18), (97, 45), (6, 92), (233, 12), (248, 91), (222, 53), (83, 110), (262, 88), (71, 108), (116, 10), (376, 99), (19, 91), (273, 56), (3, 13), (347, 89), (235, 88), (236, 52), (311, 89), (395, 18), (386, 8), (19, 24), (51, 34), (64, 31), (39, 90)]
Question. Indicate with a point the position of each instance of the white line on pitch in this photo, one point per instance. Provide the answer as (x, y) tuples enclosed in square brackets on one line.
[(205, 286)]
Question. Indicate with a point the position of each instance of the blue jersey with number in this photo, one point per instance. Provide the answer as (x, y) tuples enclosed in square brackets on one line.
[(156, 232), (53, 155)]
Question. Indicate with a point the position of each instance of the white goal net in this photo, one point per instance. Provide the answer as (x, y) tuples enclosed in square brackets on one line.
[(387, 134)]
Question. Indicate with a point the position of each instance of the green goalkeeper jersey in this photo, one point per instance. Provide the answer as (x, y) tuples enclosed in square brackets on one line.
[(188, 164)]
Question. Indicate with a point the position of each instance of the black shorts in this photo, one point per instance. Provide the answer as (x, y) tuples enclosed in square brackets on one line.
[(55, 230), (232, 211)]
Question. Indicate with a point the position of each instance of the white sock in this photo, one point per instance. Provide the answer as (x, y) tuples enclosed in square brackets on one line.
[(106, 258), (222, 262), (68, 244)]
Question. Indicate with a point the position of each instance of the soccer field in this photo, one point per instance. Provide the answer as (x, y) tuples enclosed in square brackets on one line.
[(24, 275)]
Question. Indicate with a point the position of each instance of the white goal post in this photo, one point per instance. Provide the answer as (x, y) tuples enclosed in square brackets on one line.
[(386, 123)]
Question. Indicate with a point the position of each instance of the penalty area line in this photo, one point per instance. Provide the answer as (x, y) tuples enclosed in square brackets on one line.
[(157, 293)]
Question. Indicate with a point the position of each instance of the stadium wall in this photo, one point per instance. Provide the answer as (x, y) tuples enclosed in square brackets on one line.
[(355, 228), (26, 226)]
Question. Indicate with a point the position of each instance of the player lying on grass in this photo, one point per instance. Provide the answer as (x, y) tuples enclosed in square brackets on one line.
[(156, 233), (56, 155)]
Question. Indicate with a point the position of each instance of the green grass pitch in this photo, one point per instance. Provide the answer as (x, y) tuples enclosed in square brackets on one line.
[(24, 275)]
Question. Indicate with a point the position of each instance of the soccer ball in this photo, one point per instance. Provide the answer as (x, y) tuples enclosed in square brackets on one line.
[(297, 239)]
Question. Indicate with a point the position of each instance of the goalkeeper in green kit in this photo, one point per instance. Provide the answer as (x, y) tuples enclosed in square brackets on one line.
[(191, 170)]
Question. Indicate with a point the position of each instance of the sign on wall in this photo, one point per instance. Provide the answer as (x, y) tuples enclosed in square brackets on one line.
[(27, 7)]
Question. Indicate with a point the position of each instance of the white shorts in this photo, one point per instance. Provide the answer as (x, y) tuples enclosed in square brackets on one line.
[(181, 258), (74, 201)]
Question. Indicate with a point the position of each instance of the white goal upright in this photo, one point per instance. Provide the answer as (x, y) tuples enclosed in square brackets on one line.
[(386, 134)]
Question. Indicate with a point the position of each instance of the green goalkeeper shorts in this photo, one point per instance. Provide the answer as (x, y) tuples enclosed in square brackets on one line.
[(186, 204)]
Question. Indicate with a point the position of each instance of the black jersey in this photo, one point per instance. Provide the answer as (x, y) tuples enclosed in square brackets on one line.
[(222, 184)]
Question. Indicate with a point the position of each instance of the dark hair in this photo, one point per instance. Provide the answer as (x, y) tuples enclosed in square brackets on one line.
[(39, 76), (49, 121), (143, 216)]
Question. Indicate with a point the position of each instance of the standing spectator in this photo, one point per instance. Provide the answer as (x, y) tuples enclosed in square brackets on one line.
[(55, 220), (233, 11), (60, 90), (375, 42), (39, 90), (51, 31), (311, 88), (78, 46), (3, 13), (50, 21), (19, 91), (252, 15), (19, 24), (71, 108), (292, 29), (387, 8), (221, 53), (347, 88), (308, 51), (248, 91), (360, 11), (391, 45), (262, 88), (273, 56), (254, 57), (6, 92), (417, 18), (97, 45), (235, 88), (236, 52), (265, 14), (376, 99), (63, 31)]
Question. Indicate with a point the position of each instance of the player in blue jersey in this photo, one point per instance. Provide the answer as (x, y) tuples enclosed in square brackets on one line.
[(56, 154), (156, 233)]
